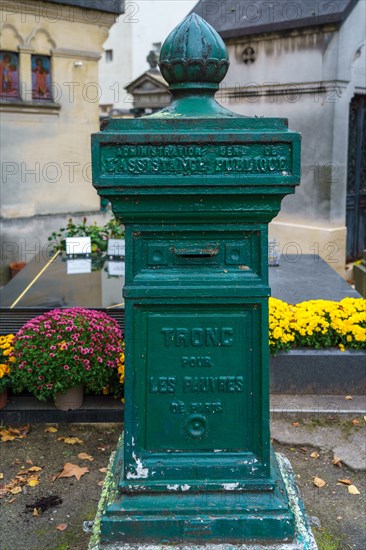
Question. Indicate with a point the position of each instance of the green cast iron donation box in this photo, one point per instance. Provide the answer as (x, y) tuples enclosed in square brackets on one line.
[(196, 186)]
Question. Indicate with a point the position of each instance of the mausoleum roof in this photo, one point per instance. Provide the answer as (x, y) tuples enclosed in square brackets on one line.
[(153, 76), (235, 18)]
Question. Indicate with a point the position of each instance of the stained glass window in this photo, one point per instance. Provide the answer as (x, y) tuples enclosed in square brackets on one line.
[(9, 75), (41, 77)]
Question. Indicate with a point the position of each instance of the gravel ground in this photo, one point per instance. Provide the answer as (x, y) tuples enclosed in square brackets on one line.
[(20, 529), (341, 515)]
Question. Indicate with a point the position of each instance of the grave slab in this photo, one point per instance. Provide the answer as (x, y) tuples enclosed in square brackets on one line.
[(300, 277)]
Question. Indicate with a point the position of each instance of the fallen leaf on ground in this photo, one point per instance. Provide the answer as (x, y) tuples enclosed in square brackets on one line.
[(10, 501), (7, 437), (103, 470), (29, 461), (101, 448), (35, 469), (71, 440), (85, 456), (9, 434), (19, 479), (14, 431), (24, 430), (1, 476), (355, 421), (318, 482), (35, 513), (345, 481), (352, 489), (296, 424), (32, 482), (61, 527), (348, 397), (15, 480), (71, 470), (15, 490), (19, 432), (337, 461), (51, 429), (315, 455), (303, 449), (100, 483)]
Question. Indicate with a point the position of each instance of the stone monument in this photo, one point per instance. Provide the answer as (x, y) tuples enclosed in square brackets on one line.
[(149, 91), (196, 186)]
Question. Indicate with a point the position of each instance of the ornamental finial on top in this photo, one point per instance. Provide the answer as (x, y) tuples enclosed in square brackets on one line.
[(193, 56)]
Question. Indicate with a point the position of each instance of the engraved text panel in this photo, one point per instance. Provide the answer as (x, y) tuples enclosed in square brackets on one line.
[(202, 159), (199, 380)]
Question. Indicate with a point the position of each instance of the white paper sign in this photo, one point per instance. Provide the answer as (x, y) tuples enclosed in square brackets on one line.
[(78, 265), (78, 245), (116, 268), (116, 247)]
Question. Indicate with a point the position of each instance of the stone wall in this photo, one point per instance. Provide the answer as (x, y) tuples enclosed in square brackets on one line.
[(308, 76), (45, 145)]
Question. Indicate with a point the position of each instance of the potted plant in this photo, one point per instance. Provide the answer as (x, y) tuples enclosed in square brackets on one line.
[(64, 351), (6, 349), (15, 268), (99, 236)]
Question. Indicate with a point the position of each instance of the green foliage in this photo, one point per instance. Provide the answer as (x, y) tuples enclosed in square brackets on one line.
[(99, 235)]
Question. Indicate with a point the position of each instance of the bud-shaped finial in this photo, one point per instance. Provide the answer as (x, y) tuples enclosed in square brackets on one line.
[(193, 56)]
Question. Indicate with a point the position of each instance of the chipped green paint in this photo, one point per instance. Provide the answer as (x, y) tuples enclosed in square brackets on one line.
[(196, 186), (303, 539)]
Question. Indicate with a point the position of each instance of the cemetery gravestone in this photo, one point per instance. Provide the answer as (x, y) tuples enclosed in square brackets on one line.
[(196, 186)]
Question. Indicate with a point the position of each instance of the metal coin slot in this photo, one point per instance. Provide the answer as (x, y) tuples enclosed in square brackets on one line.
[(206, 252)]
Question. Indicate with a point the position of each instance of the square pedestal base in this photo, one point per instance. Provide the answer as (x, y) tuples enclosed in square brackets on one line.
[(122, 524)]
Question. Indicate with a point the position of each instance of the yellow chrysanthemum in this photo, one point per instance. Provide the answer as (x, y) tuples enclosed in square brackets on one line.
[(6, 349), (318, 323)]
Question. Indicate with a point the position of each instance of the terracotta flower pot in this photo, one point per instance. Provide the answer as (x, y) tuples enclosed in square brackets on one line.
[(15, 267), (3, 398), (70, 400)]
